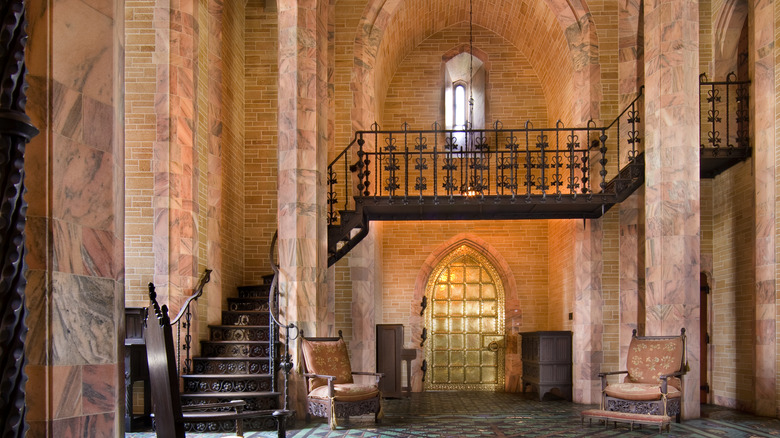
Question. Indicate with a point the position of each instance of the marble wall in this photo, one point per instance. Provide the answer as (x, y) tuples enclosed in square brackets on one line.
[(763, 68), (76, 218)]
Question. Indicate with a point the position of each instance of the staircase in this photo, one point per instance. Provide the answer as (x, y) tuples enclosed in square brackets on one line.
[(235, 362)]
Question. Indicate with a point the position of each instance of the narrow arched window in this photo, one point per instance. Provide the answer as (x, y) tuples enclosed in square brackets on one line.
[(460, 106), (464, 81)]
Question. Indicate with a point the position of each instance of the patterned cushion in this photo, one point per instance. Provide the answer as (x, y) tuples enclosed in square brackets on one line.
[(329, 358), (639, 391), (346, 392), (650, 358)]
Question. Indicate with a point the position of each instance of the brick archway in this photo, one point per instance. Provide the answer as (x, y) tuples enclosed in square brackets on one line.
[(568, 64)]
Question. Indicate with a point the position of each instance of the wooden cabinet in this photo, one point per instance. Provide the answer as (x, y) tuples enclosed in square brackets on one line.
[(547, 362)]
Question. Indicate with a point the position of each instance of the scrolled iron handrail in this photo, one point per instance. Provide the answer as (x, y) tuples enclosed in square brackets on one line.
[(185, 311), (274, 285), (286, 363), (205, 278)]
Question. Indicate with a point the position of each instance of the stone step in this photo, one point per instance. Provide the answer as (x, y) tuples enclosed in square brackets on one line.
[(230, 365), (238, 332), (250, 383), (255, 401), (244, 318), (258, 349), (248, 303), (254, 291)]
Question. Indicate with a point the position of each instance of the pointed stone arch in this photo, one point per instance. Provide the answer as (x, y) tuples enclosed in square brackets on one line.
[(481, 246)]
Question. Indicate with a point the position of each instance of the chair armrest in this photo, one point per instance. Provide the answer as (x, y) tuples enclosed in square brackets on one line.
[(238, 405), (321, 376), (665, 382), (604, 375), (364, 373), (612, 373)]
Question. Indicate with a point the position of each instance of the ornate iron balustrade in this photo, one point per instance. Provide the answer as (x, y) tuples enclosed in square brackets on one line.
[(724, 135), (504, 164)]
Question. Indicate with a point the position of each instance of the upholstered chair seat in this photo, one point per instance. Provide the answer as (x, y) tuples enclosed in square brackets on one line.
[(640, 391), (346, 392)]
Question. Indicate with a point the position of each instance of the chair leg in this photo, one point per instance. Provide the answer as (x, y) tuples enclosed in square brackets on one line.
[(240, 427)]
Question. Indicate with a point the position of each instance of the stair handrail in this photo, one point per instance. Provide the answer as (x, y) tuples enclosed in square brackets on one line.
[(286, 363), (185, 312), (332, 182), (205, 278)]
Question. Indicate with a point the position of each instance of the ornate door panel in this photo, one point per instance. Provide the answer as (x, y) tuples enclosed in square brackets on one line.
[(465, 319)]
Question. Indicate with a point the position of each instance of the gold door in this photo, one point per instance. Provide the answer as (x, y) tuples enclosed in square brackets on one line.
[(465, 320)]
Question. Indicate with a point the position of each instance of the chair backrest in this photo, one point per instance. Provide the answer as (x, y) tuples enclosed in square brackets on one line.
[(163, 377), (652, 356), (328, 356)]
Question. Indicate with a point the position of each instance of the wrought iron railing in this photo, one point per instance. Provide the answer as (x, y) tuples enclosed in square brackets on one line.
[(285, 364), (442, 165), (183, 321), (725, 115)]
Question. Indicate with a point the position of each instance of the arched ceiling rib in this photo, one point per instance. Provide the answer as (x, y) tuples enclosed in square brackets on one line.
[(530, 25)]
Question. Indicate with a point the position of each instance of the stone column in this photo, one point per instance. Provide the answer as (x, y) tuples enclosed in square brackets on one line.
[(632, 271), (763, 115), (588, 325), (76, 217), (364, 261), (632, 232), (302, 165), (672, 216), (175, 164)]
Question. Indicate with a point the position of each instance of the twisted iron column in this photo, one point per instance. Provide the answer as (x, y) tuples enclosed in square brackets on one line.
[(15, 131)]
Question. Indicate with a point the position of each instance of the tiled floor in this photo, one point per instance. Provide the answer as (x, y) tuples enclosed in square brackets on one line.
[(469, 414)]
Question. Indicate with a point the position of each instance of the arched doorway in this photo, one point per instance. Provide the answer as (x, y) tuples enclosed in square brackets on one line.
[(465, 320)]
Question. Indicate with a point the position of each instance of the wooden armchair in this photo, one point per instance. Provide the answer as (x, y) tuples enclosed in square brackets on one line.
[(169, 414), (332, 392), (653, 382)]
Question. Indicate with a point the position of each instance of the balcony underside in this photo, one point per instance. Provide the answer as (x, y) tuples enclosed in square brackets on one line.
[(715, 161)]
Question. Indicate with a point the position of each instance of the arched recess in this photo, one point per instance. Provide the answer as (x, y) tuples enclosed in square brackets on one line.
[(729, 36), (573, 51), (416, 322)]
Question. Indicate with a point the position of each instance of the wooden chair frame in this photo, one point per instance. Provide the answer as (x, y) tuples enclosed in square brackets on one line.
[(331, 408), (664, 405)]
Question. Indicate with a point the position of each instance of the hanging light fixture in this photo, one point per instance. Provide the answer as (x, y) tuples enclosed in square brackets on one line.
[(469, 186)]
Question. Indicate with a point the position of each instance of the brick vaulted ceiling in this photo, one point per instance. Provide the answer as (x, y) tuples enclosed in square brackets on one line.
[(538, 28)]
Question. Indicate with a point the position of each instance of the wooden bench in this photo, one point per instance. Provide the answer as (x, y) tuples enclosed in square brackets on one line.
[(627, 417)]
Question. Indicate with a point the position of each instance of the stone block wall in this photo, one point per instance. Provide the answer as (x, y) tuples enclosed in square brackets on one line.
[(141, 126), (260, 154), (733, 305)]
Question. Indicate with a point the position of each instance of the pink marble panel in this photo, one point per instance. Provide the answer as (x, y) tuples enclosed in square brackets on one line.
[(67, 111), (83, 324), (84, 59), (99, 393), (98, 114), (66, 391), (82, 184)]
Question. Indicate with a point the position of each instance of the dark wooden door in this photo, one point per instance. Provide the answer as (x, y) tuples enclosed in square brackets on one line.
[(389, 342), (704, 336)]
